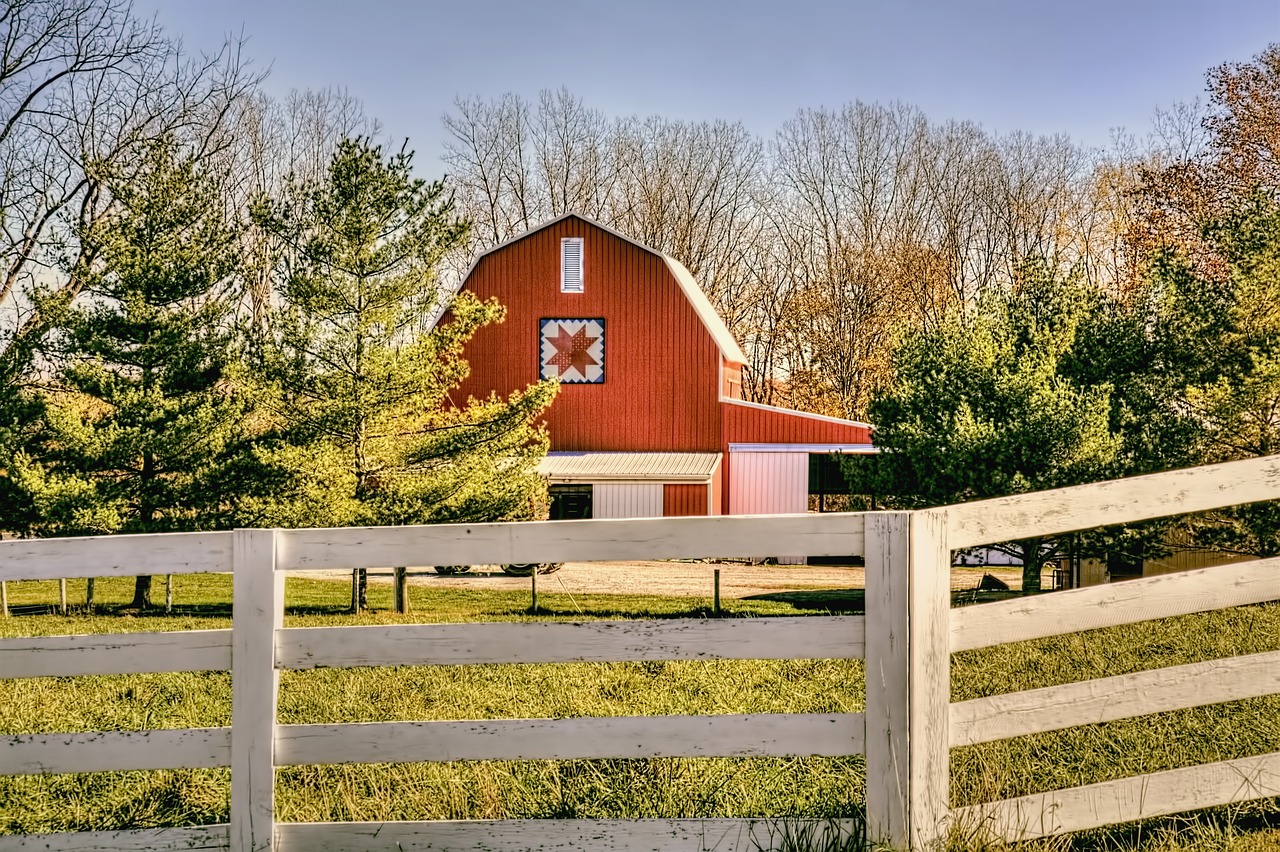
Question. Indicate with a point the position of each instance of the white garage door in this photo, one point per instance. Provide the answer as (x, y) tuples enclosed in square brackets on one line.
[(769, 484), (626, 500)]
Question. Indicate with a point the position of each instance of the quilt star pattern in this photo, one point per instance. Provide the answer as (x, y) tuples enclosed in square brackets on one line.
[(572, 350)]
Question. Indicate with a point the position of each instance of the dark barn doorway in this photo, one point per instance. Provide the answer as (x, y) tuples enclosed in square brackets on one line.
[(829, 492), (570, 502)]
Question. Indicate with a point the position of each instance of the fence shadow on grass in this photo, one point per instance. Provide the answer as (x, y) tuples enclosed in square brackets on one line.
[(826, 600), (204, 610), (554, 610), (854, 600)]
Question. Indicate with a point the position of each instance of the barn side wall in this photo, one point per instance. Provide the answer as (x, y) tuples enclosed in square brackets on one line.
[(683, 500), (752, 424)]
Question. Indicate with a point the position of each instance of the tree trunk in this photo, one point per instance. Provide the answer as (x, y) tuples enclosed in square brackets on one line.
[(146, 509), (141, 593), (1031, 564)]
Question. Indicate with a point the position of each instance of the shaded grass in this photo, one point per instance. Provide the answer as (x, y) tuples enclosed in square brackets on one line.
[(798, 787)]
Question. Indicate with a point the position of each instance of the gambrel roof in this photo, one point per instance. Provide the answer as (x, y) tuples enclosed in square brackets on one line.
[(711, 321)]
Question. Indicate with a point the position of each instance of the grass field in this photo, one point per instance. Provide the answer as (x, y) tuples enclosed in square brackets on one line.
[(617, 788)]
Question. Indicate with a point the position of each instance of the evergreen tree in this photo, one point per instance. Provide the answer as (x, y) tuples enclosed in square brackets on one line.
[(983, 406), (362, 429), (142, 410)]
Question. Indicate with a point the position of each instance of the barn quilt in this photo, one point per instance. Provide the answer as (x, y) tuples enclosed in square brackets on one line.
[(572, 350)]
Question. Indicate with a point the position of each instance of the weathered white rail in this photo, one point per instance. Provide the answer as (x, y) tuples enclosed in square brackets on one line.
[(833, 638), (115, 653), (758, 735), (1093, 607), (906, 637), (1126, 696), (100, 751)]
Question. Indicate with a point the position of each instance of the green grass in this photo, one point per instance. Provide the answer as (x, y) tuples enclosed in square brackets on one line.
[(807, 787), (1152, 743)]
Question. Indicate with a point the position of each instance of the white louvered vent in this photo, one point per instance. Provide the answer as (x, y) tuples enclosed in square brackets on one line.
[(571, 265)]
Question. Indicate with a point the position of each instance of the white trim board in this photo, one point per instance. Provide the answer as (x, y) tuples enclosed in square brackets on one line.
[(847, 449), (823, 417)]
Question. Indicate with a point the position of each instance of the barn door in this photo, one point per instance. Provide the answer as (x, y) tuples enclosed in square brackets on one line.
[(570, 502)]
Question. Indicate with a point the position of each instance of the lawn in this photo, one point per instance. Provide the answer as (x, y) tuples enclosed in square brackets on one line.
[(615, 788)]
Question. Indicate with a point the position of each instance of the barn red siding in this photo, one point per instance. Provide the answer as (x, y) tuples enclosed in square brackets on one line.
[(683, 500), (745, 424), (661, 387)]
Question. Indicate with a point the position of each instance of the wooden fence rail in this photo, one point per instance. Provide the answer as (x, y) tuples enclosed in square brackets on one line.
[(906, 639)]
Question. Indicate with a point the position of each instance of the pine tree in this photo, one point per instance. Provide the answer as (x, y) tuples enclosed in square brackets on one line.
[(142, 409), (362, 428)]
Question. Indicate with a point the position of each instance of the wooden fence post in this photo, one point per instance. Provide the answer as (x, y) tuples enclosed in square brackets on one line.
[(908, 678), (62, 596), (168, 593), (360, 591), (4, 598), (257, 613), (88, 595), (401, 590)]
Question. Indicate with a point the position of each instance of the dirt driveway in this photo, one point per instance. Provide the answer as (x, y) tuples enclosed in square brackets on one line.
[(681, 579)]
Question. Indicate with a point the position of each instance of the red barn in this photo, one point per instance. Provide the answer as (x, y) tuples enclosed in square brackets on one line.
[(650, 419)]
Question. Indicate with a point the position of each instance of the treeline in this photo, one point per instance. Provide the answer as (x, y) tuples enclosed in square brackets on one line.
[(214, 304), (824, 244)]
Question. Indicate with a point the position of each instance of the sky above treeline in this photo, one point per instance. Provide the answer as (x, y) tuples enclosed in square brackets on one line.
[(1082, 68)]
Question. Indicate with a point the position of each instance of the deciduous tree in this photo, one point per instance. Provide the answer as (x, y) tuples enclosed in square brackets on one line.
[(982, 406)]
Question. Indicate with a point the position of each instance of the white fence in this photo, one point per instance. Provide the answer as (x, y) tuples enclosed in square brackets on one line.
[(906, 638)]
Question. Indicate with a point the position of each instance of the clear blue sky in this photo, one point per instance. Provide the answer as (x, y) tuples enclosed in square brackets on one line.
[(1080, 67)]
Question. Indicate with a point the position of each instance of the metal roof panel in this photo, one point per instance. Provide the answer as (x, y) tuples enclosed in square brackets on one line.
[(595, 466)]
